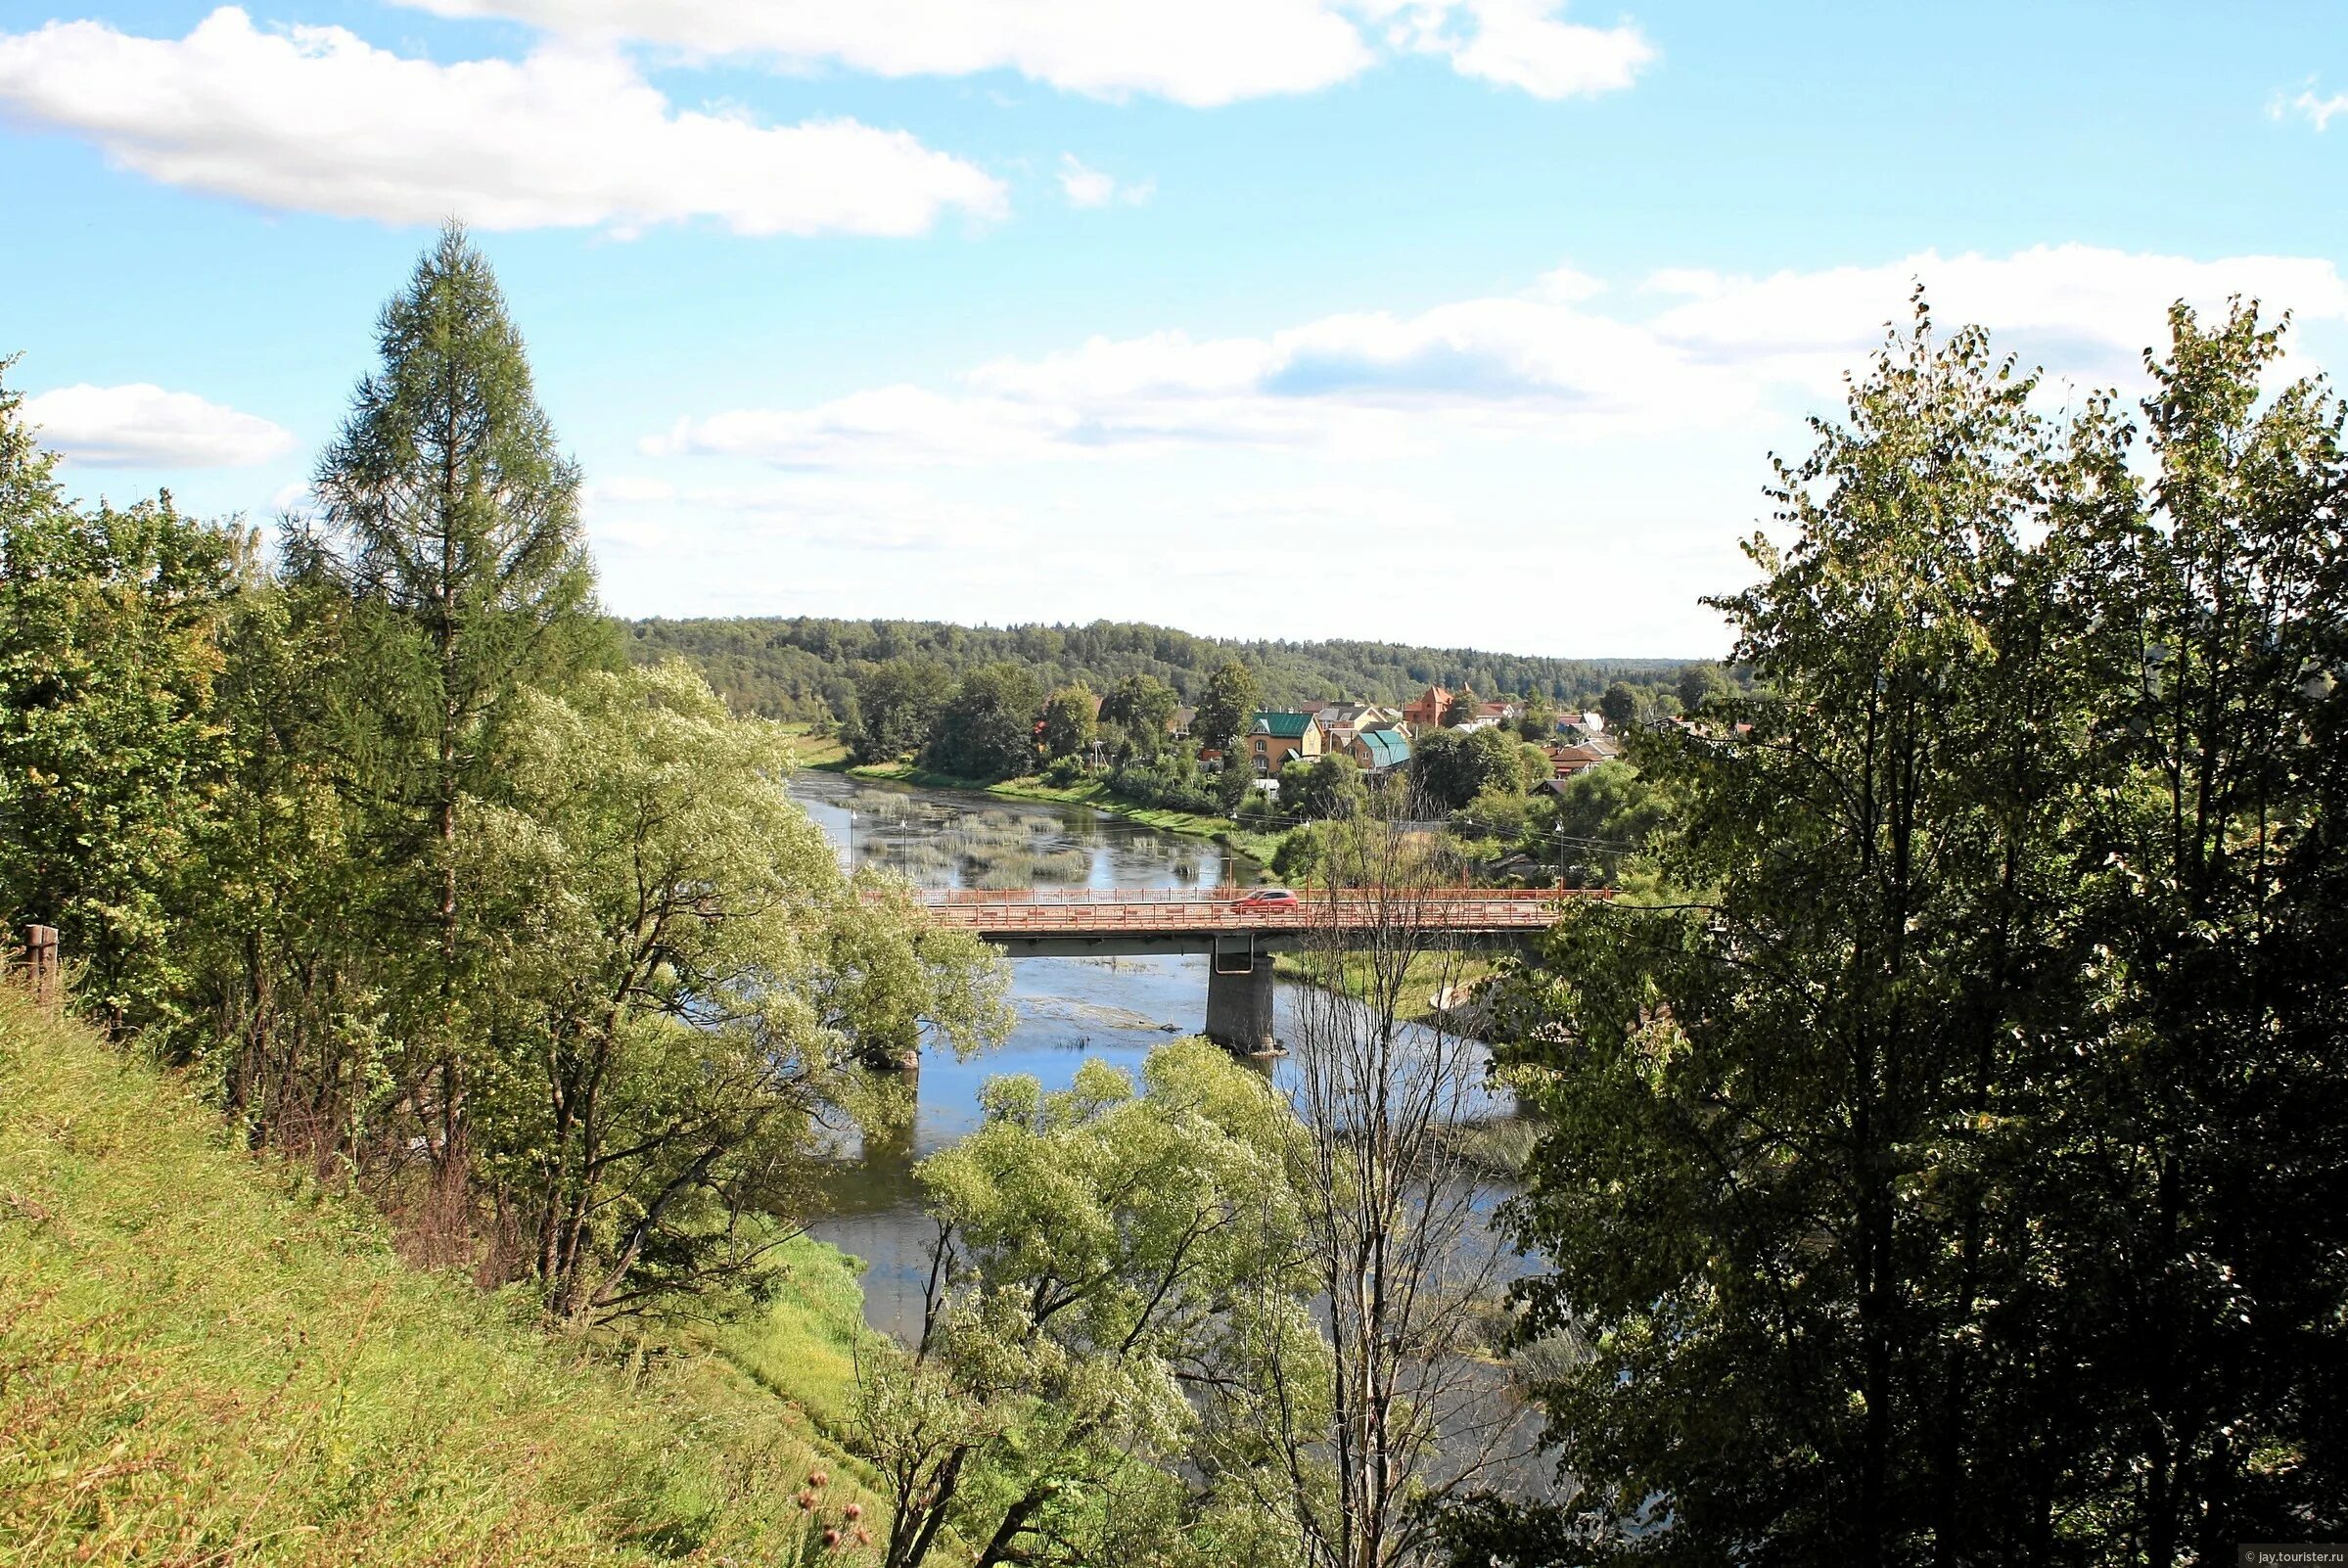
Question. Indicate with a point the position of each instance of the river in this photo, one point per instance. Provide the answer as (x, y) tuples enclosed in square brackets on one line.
[(1068, 1009)]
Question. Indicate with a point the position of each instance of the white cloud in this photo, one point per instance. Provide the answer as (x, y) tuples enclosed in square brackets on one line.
[(1711, 351), (316, 120), (1199, 52), (142, 426), (1085, 186), (2317, 111), (1202, 53), (1520, 43)]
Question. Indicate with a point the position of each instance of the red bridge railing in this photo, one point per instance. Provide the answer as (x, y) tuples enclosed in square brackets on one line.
[(1179, 910)]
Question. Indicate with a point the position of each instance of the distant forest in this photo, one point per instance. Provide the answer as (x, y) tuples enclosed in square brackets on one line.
[(804, 668)]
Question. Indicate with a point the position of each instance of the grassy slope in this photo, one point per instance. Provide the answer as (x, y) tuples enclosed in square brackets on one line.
[(1222, 830), (204, 1359), (815, 750)]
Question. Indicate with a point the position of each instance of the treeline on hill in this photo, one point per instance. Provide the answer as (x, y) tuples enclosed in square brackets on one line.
[(810, 669)]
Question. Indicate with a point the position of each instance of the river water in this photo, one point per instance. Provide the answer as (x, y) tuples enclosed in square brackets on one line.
[(1069, 1009)]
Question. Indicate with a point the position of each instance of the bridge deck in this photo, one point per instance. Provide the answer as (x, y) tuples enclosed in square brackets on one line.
[(1033, 912)]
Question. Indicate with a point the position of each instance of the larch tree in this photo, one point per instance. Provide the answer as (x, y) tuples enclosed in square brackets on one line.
[(449, 512)]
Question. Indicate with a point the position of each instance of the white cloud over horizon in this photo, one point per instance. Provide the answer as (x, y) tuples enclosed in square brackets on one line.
[(1200, 53), (1685, 349), (142, 426), (317, 120)]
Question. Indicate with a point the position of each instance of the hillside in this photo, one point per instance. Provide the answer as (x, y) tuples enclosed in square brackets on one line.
[(205, 1360), (804, 668)]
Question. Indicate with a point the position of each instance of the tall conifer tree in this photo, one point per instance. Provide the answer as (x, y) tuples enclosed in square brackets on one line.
[(451, 514)]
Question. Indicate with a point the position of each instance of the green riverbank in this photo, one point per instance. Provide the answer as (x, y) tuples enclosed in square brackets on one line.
[(1428, 971), (1255, 846)]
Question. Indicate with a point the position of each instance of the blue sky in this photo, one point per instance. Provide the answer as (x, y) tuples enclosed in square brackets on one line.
[(1455, 321)]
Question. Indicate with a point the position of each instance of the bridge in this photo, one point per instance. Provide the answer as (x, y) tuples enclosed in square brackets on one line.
[(1105, 922)]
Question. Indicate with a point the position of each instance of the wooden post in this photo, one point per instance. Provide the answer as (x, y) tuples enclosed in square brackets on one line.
[(40, 966)]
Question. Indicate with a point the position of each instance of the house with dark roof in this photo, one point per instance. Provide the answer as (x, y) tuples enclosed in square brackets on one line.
[(1274, 738)]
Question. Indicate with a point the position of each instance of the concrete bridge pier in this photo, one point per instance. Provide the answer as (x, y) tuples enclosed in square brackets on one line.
[(1239, 1002)]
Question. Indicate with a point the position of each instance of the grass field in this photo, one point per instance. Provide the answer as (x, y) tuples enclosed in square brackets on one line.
[(206, 1359)]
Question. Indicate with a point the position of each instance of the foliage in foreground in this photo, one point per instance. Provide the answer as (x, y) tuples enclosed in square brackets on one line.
[(204, 1359), (1958, 1173), (1102, 1255)]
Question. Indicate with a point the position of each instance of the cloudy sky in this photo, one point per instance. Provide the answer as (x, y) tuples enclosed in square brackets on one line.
[(1451, 321)]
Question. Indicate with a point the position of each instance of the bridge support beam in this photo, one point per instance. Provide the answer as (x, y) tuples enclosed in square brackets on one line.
[(1239, 1010)]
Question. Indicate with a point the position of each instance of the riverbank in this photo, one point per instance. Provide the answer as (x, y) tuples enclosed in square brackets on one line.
[(1428, 971), (1255, 846)]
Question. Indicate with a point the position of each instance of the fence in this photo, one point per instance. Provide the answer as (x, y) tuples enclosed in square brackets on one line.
[(42, 977)]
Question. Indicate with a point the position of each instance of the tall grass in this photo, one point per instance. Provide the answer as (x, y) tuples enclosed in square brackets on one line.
[(205, 1360)]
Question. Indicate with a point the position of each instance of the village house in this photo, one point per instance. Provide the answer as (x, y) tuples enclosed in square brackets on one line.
[(1380, 750), (1274, 738), (1567, 760), (1427, 711), (1340, 722)]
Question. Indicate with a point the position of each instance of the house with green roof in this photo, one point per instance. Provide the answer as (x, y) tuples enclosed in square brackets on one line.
[(1380, 750), (1277, 738)]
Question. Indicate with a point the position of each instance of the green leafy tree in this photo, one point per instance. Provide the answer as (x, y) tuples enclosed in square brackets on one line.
[(1598, 825), (452, 519), (1097, 1251), (681, 972), (1459, 710), (1618, 707), (1699, 684), (1539, 722), (1069, 725), (1451, 768), (987, 729), (1942, 1179), (1330, 785), (897, 701), (1226, 709), (1234, 786), (1144, 705), (111, 754)]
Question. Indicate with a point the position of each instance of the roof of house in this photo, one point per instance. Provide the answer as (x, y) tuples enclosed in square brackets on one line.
[(1388, 747), (1286, 726)]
